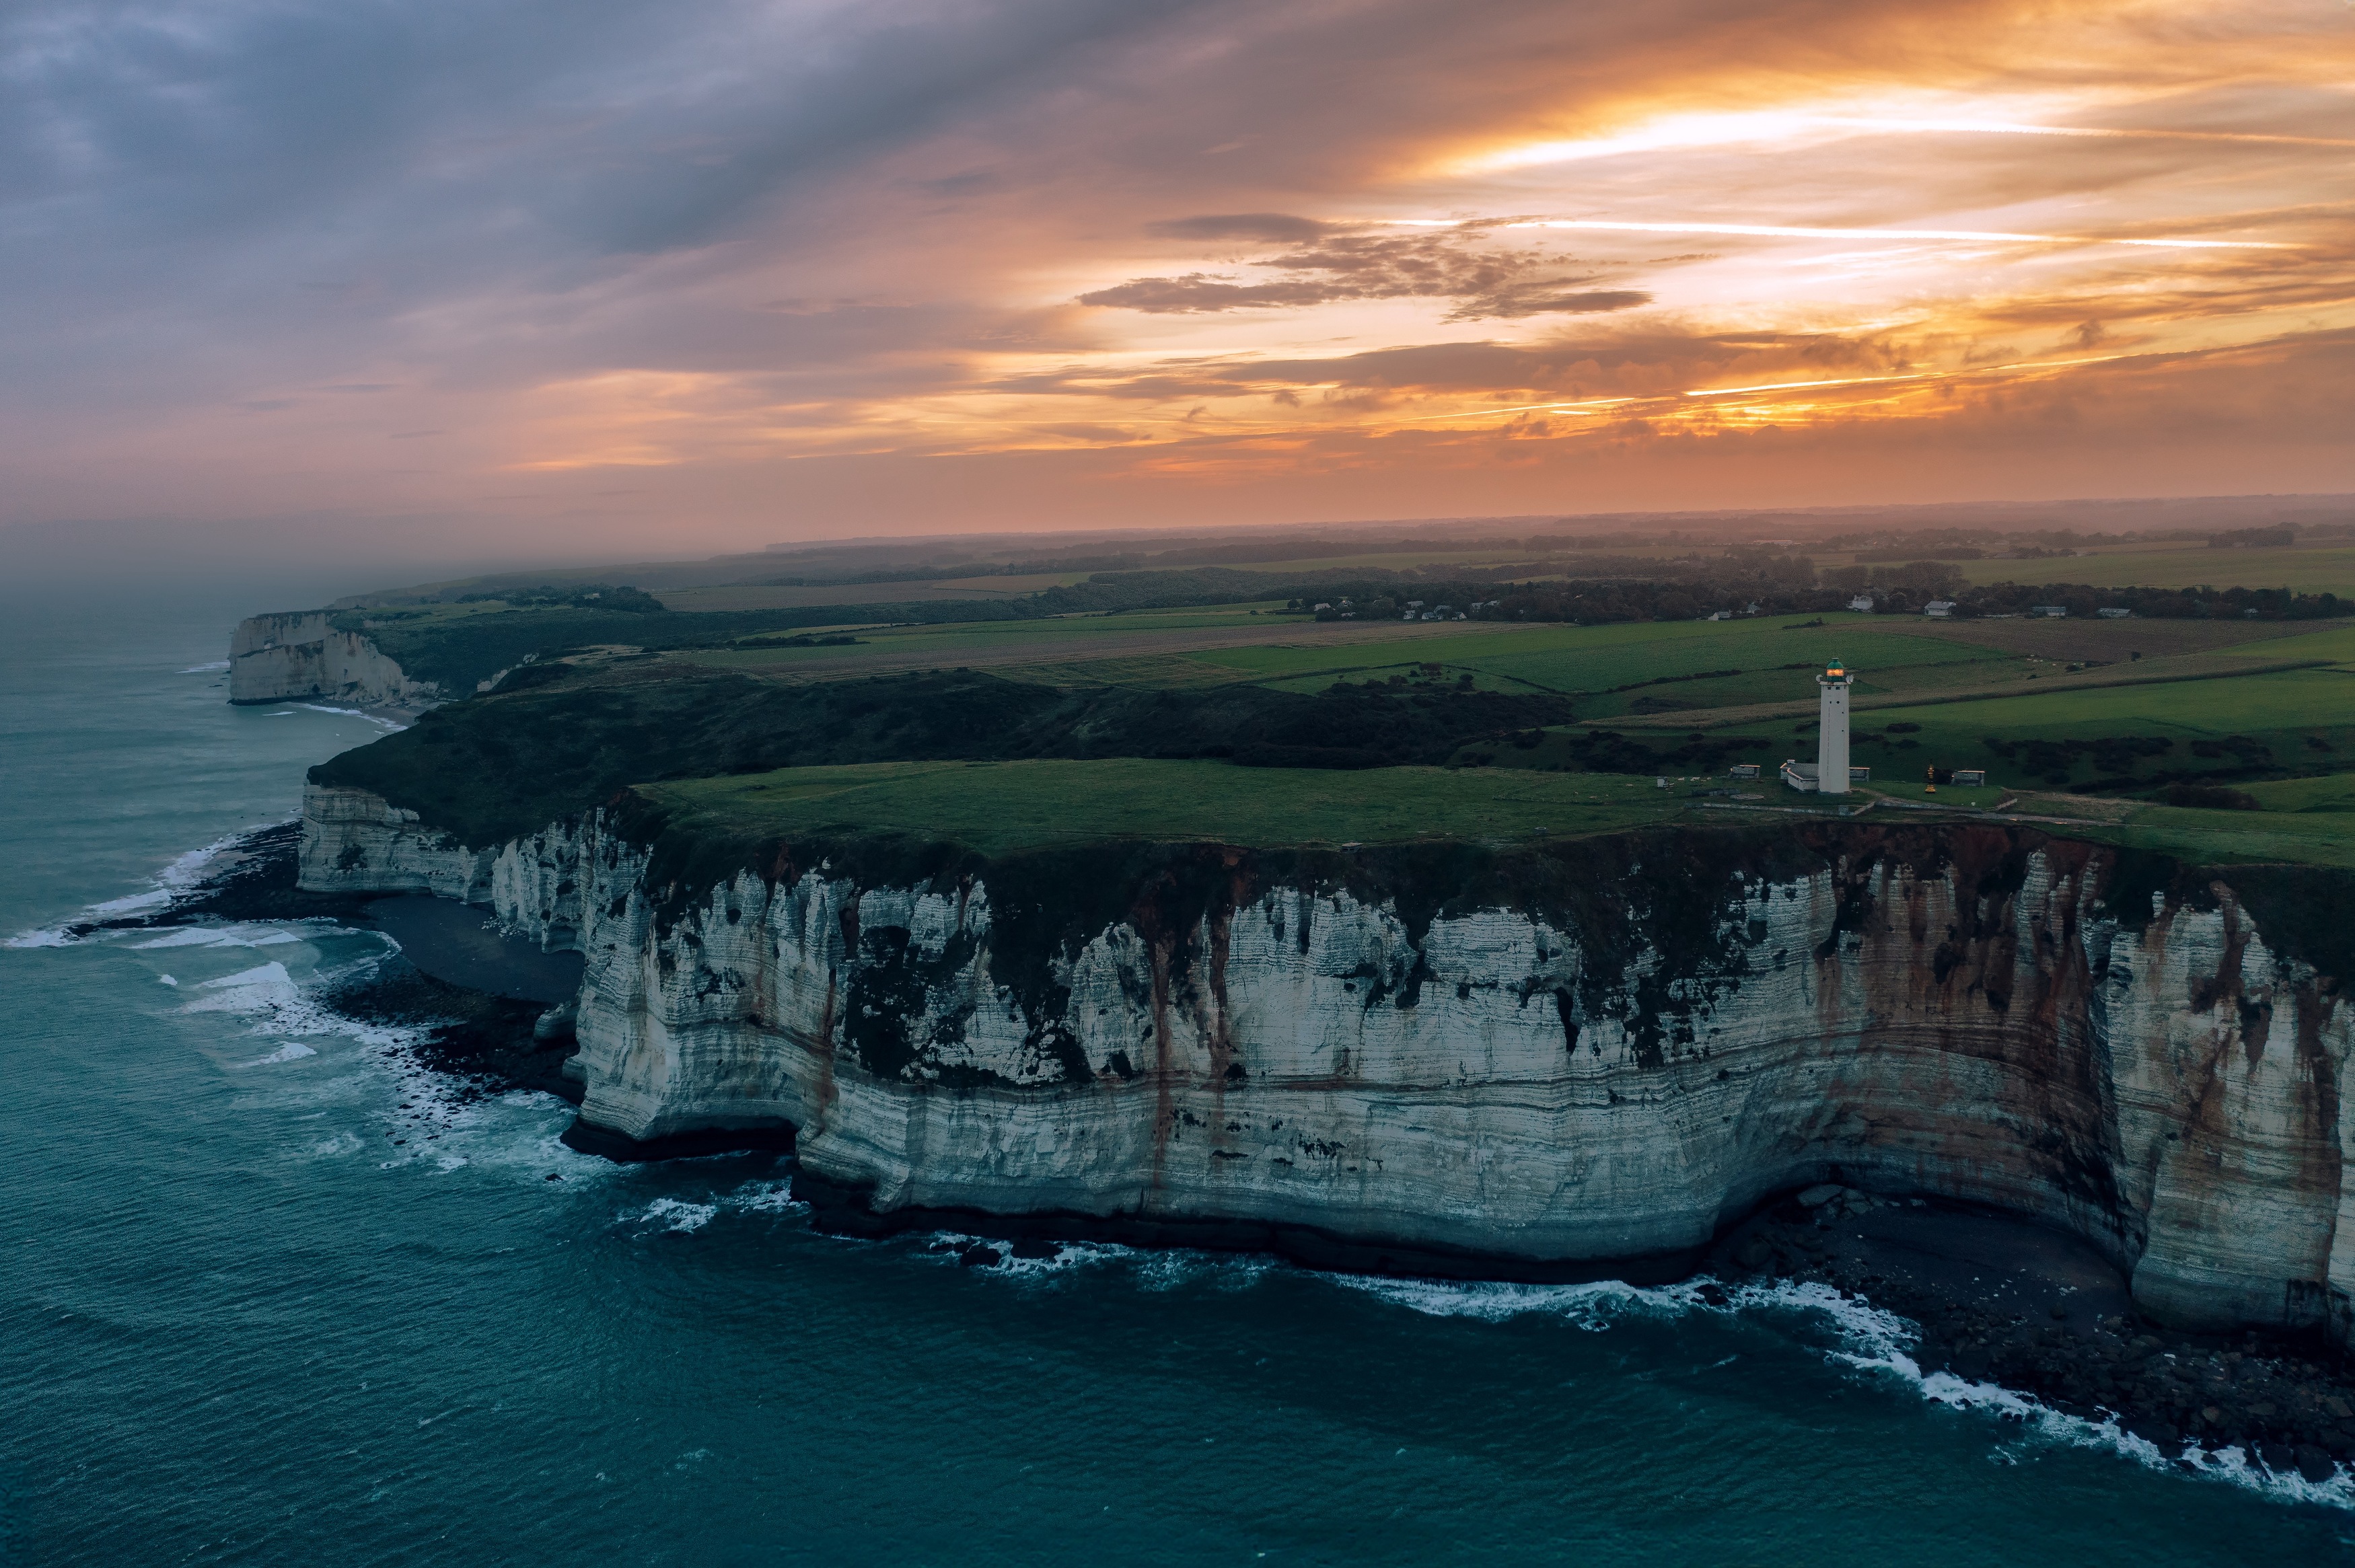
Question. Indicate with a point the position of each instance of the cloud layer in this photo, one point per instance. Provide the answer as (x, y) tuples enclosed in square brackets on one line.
[(725, 272)]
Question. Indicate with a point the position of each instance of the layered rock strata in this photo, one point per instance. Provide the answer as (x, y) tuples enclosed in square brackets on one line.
[(1555, 1055), (301, 654)]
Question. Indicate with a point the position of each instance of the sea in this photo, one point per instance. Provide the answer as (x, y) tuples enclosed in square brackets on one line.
[(270, 1294)]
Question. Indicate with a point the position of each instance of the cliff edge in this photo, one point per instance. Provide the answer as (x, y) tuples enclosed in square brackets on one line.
[(1538, 1059), (300, 655)]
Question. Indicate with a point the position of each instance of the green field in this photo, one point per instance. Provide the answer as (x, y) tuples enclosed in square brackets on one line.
[(1599, 658), (1246, 725), (2211, 837), (946, 644), (998, 808), (2292, 719), (2303, 569), (1004, 808)]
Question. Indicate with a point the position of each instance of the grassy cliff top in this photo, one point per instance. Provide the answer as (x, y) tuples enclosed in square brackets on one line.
[(1001, 808)]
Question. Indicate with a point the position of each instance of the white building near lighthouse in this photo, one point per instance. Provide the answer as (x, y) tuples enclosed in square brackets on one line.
[(1830, 774)]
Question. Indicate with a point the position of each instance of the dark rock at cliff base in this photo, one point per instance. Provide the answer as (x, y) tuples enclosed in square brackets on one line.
[(981, 1255), (252, 878), (767, 1137), (461, 945), (2002, 1300), (487, 1041)]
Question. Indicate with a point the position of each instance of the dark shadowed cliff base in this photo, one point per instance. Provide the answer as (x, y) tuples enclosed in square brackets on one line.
[(1983, 1285), (2002, 1301)]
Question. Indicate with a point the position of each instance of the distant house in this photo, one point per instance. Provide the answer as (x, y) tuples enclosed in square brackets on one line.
[(1970, 778), (1861, 601), (1799, 776), (2049, 612), (1939, 608), (1860, 775), (2113, 614), (1744, 771), (1721, 615)]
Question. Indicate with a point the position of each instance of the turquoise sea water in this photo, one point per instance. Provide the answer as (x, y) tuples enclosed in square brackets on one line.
[(240, 1323)]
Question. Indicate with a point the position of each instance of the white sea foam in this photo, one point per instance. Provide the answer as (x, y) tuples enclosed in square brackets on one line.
[(293, 1050), (167, 980), (206, 669), (674, 1215), (182, 875), (220, 936), (1590, 1306), (1072, 1257), (436, 1123), (253, 989), (1865, 1336), (387, 725), (776, 1197)]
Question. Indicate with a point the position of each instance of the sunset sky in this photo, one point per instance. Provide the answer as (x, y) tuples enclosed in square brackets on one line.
[(714, 274)]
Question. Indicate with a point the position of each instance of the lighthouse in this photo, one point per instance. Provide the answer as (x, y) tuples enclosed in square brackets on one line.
[(1831, 734)]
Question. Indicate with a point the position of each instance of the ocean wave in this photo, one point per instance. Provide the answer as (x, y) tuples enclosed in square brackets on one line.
[(218, 664), (293, 1050), (673, 1216), (1868, 1340), (1866, 1337), (769, 1197), (238, 936), (387, 725), (1591, 1306), (180, 877), (430, 1121)]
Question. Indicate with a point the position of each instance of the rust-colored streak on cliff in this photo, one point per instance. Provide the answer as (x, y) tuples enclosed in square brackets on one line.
[(1539, 1055)]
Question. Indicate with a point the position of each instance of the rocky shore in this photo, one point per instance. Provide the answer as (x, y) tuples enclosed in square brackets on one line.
[(2000, 1300), (483, 1017), (2003, 1302)]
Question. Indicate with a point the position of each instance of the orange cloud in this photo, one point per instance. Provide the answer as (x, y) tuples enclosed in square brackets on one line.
[(1386, 256)]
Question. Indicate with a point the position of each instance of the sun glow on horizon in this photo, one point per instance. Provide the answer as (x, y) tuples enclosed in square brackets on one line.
[(1771, 129), (1952, 233)]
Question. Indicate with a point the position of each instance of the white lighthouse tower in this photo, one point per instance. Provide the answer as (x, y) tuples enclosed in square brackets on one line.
[(1831, 734)]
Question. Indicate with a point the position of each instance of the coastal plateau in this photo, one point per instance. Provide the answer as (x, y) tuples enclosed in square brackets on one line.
[(1534, 1059)]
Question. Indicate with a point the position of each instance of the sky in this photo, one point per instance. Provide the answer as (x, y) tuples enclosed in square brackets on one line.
[(586, 275)]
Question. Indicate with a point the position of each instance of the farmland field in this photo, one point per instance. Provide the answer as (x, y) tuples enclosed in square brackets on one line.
[(2221, 728), (1252, 725), (2303, 568)]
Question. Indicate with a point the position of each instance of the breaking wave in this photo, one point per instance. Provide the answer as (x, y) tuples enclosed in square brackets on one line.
[(386, 724), (1865, 1337), (181, 877)]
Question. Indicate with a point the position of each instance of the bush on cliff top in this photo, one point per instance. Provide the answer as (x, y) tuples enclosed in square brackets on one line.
[(498, 766)]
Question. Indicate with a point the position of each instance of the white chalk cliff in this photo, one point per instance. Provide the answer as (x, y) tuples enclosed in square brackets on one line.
[(301, 654), (1285, 1041)]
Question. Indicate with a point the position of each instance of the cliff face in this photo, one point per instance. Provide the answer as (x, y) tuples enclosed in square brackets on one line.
[(1597, 1050), (275, 658)]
